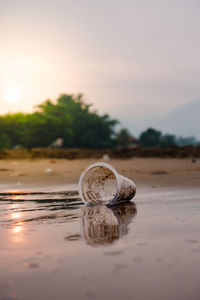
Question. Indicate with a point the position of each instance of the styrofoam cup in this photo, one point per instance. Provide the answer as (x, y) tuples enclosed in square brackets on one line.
[(100, 183)]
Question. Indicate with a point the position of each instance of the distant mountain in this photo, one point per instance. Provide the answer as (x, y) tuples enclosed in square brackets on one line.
[(184, 120)]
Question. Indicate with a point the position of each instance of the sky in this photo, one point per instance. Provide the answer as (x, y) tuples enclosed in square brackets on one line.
[(136, 60)]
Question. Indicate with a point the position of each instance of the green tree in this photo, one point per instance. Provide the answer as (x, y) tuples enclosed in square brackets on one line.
[(69, 118), (150, 138), (123, 138), (168, 140), (4, 141)]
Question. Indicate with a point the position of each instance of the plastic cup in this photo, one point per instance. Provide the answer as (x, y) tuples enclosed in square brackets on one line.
[(100, 183)]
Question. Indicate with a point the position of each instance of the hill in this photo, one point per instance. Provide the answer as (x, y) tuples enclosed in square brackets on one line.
[(184, 120)]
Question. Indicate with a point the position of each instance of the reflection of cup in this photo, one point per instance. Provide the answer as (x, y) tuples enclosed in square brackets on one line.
[(100, 183), (103, 225)]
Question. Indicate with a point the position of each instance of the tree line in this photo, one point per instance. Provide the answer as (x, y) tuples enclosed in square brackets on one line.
[(70, 119), (154, 138), (74, 122)]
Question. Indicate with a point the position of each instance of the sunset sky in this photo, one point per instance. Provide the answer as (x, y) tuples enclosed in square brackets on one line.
[(130, 58)]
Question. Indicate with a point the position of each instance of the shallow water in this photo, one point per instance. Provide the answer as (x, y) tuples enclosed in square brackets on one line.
[(54, 247)]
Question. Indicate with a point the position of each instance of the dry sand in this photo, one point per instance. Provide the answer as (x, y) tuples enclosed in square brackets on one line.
[(146, 172)]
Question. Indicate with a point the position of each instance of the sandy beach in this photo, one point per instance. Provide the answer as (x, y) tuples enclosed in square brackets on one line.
[(54, 247), (146, 172)]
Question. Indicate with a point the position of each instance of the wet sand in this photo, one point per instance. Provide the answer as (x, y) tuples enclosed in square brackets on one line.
[(53, 247)]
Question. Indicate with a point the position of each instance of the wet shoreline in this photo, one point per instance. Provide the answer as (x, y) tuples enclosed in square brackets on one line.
[(153, 240), (54, 247)]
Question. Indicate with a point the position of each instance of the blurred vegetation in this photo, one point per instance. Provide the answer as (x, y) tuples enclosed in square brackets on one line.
[(73, 122), (123, 138), (150, 138), (154, 138), (69, 119)]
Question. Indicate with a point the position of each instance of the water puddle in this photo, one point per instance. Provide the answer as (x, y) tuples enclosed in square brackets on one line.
[(22, 207), (100, 225)]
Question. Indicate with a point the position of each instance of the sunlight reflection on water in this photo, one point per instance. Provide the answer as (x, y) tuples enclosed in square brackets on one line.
[(100, 225), (53, 242)]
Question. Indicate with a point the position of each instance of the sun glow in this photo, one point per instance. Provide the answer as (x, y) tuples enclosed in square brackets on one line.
[(12, 95)]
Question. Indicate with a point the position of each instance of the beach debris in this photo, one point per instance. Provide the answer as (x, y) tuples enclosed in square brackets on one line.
[(100, 183), (17, 147), (52, 161), (23, 174), (48, 170), (58, 143), (105, 157)]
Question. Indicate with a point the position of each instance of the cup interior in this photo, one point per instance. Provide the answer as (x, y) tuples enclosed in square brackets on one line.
[(99, 185)]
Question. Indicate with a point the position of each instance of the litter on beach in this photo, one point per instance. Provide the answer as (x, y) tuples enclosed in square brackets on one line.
[(101, 183)]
